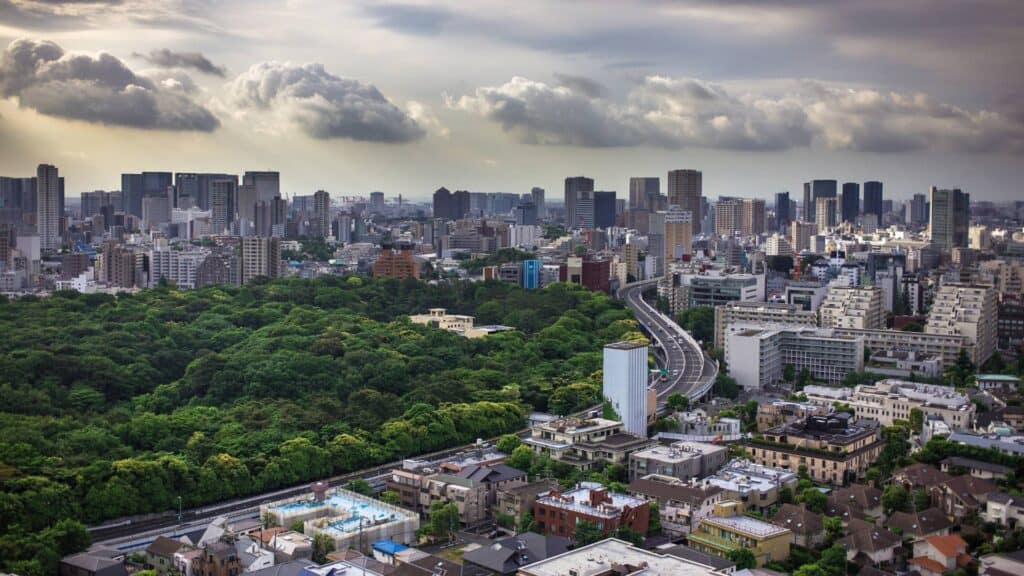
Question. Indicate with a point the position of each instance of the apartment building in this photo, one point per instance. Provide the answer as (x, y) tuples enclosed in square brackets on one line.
[(763, 314), (584, 442), (682, 460), (755, 485), (889, 400), (853, 307), (612, 556), (557, 513), (969, 311), (832, 449), (681, 505), (778, 412), (728, 530), (758, 356), (945, 347)]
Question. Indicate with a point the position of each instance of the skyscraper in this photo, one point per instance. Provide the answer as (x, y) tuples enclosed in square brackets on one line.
[(377, 202), (47, 206), (223, 197), (574, 186), (537, 194), (625, 384), (919, 209), (460, 204), (782, 214), (808, 205), (950, 218), (678, 233), (851, 201), (186, 190), (257, 187), (685, 188), (443, 203), (873, 199), (604, 209), (260, 257), (752, 217), (825, 213), (322, 212), (820, 189), (642, 191)]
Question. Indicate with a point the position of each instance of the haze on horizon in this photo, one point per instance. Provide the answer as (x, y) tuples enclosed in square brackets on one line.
[(495, 96)]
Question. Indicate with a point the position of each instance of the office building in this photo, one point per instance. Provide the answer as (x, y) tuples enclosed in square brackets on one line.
[(729, 530), (950, 218), (643, 193), (526, 214), (783, 213), (604, 209), (678, 233), (537, 195), (814, 190), (919, 210), (322, 212), (752, 217), (135, 187), (825, 213), (685, 189), (531, 274), (873, 202), (625, 384), (858, 307), (777, 245), (757, 356), (850, 202), (223, 204), (48, 202), (763, 314), (574, 187), (728, 216), (261, 257), (681, 460), (832, 449), (969, 311), (557, 513)]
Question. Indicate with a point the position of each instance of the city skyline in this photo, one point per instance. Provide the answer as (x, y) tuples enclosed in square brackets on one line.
[(411, 97)]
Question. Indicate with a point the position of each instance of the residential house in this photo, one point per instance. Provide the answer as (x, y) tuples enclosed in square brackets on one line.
[(290, 545), (218, 559), (961, 496), (1004, 509), (977, 468), (492, 477), (807, 528), (682, 460), (938, 555), (585, 442), (916, 526), (729, 529), (919, 476), (517, 499), (681, 505), (867, 544), (93, 563), (863, 499), (160, 554), (507, 556)]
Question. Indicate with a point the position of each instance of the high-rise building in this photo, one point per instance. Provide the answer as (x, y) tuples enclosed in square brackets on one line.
[(859, 308), (625, 384), (47, 207), (460, 204), (807, 207), (851, 202), (728, 216), (531, 274), (818, 189), (257, 187), (825, 212), (223, 198), (322, 211), (186, 190), (261, 256), (685, 189), (526, 214), (969, 311), (604, 209), (642, 192), (396, 262), (678, 233), (537, 195), (873, 199), (443, 203), (800, 235), (752, 217), (919, 210), (575, 186), (376, 203), (783, 216), (950, 218)]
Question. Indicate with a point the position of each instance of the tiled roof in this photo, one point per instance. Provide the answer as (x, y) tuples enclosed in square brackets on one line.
[(867, 537), (164, 546), (798, 519), (919, 523), (928, 564), (948, 546)]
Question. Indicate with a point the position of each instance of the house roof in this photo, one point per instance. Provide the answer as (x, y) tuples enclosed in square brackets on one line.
[(290, 568), (509, 554), (949, 546), (928, 564), (975, 464), (693, 495), (922, 475), (919, 524), (1005, 499), (970, 489), (531, 488), (490, 473), (687, 553), (164, 546), (427, 565), (859, 496), (798, 519), (866, 537), (92, 563)]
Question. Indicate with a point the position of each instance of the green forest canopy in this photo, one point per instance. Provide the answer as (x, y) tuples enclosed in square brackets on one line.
[(118, 405)]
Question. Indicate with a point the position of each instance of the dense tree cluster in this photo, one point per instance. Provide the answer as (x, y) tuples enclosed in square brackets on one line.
[(120, 405)]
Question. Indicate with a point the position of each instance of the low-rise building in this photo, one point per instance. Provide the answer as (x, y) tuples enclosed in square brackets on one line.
[(938, 555), (728, 530), (681, 505), (755, 486), (962, 496), (757, 357), (557, 513), (868, 544), (807, 528), (160, 554), (778, 412), (944, 346), (976, 468), (682, 460), (994, 382), (585, 442), (517, 499), (903, 364), (831, 449), (697, 426), (612, 556), (890, 400), (1012, 445), (1004, 509), (919, 476), (914, 526), (861, 499), (760, 313), (506, 556)]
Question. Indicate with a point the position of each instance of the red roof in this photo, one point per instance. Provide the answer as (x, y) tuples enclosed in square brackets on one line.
[(949, 546), (928, 564)]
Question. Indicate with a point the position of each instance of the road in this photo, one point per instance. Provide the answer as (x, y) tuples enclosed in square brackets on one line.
[(690, 371)]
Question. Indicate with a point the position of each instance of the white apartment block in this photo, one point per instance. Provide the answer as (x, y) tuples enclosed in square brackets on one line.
[(625, 384), (946, 347), (757, 356), (853, 308), (889, 400), (766, 315), (176, 266), (968, 311)]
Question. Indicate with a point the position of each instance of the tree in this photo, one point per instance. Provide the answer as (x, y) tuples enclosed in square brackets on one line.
[(699, 322), (390, 497), (833, 560), (526, 523), (726, 386), (654, 526), (833, 529), (444, 519), (508, 443), (322, 546), (815, 500), (586, 532), (788, 373), (916, 420), (744, 558), (896, 498), (629, 535), (297, 526), (521, 458), (677, 402), (360, 486)]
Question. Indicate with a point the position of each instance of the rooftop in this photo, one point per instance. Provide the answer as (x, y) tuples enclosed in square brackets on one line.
[(742, 476), (616, 557), (625, 345), (679, 451), (580, 500), (747, 525)]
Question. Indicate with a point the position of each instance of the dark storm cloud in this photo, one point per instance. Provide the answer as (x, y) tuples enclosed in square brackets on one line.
[(323, 105), (97, 89), (166, 58), (681, 112)]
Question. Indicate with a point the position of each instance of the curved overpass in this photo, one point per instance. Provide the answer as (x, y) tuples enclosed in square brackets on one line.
[(690, 372)]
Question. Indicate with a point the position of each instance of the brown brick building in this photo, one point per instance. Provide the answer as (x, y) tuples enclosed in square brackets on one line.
[(557, 513)]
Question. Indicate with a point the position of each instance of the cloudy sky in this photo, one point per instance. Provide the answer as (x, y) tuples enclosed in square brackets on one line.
[(502, 96)]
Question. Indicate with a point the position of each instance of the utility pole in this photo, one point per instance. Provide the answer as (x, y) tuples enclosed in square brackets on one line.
[(179, 509)]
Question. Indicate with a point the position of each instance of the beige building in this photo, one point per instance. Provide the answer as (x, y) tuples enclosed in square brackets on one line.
[(458, 323), (678, 233), (946, 347), (584, 442), (730, 530), (969, 311), (760, 313), (800, 235), (890, 400), (831, 448), (682, 460), (755, 485), (260, 257), (853, 308), (778, 245)]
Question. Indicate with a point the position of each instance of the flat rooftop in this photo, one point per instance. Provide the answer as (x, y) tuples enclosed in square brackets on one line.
[(578, 500), (747, 525), (679, 451), (599, 558), (742, 476), (625, 345)]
